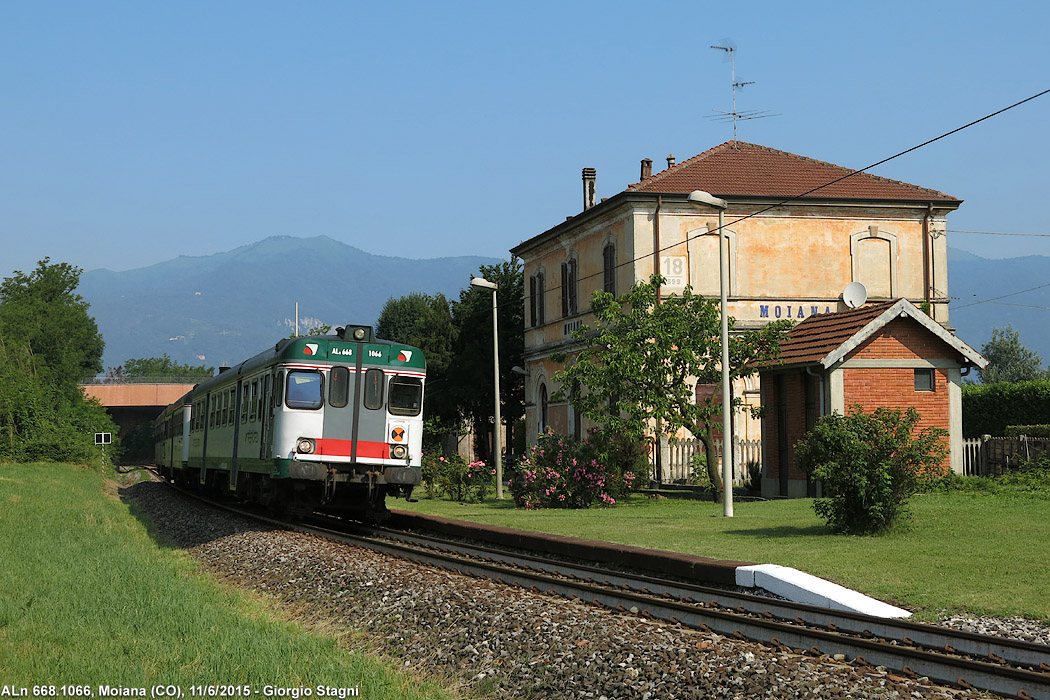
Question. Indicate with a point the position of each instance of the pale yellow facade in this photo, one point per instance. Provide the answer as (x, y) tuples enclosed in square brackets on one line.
[(785, 261)]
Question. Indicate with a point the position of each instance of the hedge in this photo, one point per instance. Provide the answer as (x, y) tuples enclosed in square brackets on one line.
[(989, 408)]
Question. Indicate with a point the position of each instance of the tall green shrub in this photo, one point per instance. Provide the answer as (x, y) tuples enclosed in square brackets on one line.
[(870, 464), (989, 408)]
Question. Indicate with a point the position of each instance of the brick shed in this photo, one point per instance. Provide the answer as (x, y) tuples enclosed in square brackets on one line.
[(884, 354)]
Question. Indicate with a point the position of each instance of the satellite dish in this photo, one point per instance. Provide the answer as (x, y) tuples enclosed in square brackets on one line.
[(855, 294)]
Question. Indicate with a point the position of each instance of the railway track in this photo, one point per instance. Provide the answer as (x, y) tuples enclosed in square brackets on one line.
[(1007, 667)]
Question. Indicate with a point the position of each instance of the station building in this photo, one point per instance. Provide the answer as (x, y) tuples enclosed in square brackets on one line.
[(884, 354), (799, 232)]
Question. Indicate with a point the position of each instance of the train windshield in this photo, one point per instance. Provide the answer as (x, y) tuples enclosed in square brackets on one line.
[(305, 389), (406, 396)]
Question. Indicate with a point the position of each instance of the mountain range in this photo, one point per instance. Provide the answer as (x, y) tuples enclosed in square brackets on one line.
[(996, 293), (221, 309)]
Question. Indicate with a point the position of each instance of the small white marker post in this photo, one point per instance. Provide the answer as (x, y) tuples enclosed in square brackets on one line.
[(103, 439)]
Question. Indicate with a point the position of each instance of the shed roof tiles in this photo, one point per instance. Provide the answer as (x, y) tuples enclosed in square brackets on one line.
[(827, 338)]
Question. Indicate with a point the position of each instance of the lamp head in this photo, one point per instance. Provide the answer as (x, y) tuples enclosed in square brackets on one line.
[(483, 283), (701, 197)]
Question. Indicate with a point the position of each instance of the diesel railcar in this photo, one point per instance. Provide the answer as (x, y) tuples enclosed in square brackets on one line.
[(330, 423)]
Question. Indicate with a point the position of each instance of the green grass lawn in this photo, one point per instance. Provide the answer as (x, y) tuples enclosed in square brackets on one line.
[(961, 552), (88, 598)]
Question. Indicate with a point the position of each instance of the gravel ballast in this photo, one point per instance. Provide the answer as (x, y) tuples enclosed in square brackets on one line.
[(512, 642)]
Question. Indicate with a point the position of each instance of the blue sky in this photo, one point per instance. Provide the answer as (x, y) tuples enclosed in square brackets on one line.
[(132, 132)]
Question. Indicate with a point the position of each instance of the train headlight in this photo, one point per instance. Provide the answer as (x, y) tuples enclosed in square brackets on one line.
[(305, 446), (398, 451)]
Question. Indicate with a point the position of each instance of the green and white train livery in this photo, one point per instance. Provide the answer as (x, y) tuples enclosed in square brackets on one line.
[(331, 423)]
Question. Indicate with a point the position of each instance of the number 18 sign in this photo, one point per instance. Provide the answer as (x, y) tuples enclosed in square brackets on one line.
[(674, 269)]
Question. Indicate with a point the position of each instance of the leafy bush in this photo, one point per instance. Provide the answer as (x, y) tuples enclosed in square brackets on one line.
[(870, 464), (562, 473), (456, 478), (989, 408), (698, 471), (1027, 430)]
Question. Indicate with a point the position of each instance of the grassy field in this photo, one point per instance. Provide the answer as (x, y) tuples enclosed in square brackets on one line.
[(88, 598), (972, 552)]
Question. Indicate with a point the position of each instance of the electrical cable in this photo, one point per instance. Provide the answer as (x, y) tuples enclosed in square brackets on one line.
[(793, 198)]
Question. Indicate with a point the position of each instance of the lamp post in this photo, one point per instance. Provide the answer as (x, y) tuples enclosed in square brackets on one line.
[(701, 197), (483, 283)]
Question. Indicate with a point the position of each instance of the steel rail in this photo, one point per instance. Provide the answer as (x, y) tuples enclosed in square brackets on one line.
[(1012, 651), (943, 665), (726, 613)]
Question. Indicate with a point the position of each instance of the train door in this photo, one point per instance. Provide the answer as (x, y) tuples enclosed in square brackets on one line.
[(266, 418), (206, 421), (237, 408), (340, 424), (371, 436)]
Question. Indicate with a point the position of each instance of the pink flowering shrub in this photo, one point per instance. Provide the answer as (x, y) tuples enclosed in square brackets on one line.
[(455, 478), (562, 473)]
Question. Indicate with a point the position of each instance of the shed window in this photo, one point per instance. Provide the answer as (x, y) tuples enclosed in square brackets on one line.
[(924, 380)]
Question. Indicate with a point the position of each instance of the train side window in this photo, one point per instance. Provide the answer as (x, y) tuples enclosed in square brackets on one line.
[(305, 389), (406, 396), (254, 398), (232, 395), (374, 389), (278, 389), (244, 403), (339, 387)]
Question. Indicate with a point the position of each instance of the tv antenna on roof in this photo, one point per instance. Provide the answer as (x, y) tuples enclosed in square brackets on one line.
[(730, 49)]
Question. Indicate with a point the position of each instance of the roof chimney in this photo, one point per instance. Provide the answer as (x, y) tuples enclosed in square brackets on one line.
[(647, 168), (670, 161), (589, 177)]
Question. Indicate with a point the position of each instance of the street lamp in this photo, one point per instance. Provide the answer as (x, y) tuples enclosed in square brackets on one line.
[(701, 197), (483, 283)]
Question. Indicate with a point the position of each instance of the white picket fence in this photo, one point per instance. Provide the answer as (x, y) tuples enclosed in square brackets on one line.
[(678, 468)]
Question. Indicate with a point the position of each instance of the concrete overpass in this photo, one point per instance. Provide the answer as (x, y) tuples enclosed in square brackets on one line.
[(132, 404)]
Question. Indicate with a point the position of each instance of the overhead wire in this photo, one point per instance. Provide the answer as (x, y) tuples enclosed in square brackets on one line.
[(787, 200)]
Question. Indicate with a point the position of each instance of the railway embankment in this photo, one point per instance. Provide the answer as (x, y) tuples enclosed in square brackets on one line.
[(502, 639), (95, 601)]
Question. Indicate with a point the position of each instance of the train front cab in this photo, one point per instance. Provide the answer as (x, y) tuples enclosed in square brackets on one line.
[(349, 435)]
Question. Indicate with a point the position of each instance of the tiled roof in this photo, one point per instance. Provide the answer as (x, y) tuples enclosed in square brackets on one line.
[(829, 338), (746, 169), (818, 336)]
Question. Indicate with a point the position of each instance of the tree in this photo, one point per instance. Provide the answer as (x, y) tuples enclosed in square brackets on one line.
[(47, 343), (469, 386), (425, 322), (641, 358), (152, 369), (1009, 360), (43, 310), (869, 465)]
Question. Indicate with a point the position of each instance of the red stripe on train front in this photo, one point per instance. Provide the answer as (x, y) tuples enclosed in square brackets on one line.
[(330, 447)]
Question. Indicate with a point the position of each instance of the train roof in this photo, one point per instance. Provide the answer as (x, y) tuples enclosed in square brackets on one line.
[(327, 350)]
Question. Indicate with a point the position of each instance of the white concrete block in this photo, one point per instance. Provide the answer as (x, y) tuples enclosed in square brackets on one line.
[(800, 587)]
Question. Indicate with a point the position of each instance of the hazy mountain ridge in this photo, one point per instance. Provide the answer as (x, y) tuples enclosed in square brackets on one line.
[(973, 279), (231, 305)]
